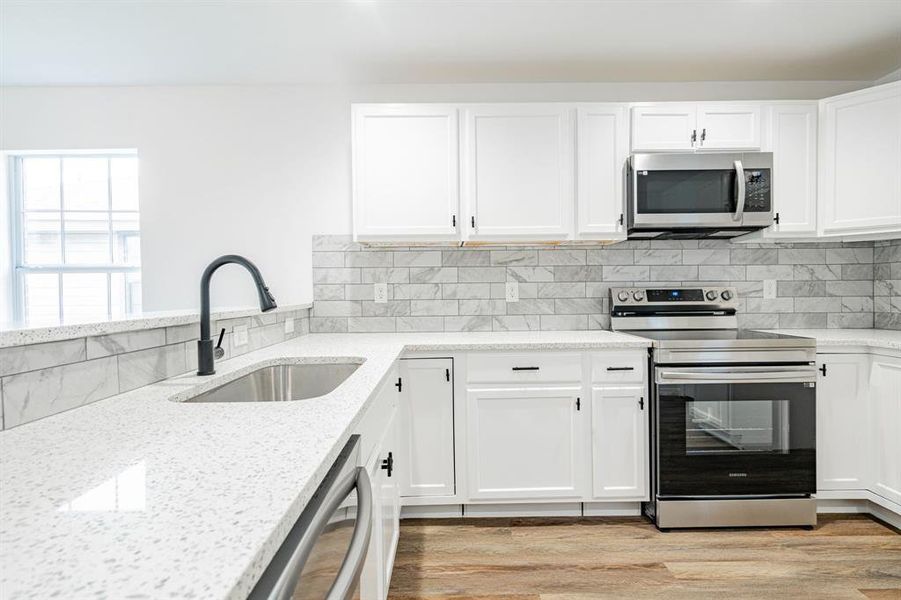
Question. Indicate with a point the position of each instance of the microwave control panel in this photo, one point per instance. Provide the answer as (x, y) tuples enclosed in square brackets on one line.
[(757, 190)]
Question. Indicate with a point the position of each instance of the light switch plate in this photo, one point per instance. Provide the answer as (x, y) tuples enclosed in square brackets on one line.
[(289, 325), (380, 292), (512, 291), (769, 288), (239, 336)]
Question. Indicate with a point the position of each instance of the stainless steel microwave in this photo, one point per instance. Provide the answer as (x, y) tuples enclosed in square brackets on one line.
[(692, 196)]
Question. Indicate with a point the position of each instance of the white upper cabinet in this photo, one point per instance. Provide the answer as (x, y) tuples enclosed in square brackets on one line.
[(728, 127), (791, 135), (859, 158), (665, 126), (405, 171), (603, 147), (675, 126), (518, 171)]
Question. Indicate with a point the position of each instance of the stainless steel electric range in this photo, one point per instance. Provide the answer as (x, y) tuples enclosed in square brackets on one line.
[(733, 412)]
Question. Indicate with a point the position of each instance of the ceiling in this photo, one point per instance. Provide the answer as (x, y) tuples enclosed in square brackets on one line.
[(444, 41)]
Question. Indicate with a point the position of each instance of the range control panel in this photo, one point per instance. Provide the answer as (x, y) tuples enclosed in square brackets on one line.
[(711, 296)]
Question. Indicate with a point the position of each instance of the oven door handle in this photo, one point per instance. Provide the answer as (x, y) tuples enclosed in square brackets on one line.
[(738, 375)]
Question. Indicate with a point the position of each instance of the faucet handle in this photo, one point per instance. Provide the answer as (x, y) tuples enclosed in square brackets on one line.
[(218, 352)]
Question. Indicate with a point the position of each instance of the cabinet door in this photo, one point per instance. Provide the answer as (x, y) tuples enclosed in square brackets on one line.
[(860, 150), (427, 427), (405, 173), (602, 151), (619, 438), (728, 126), (842, 412), (388, 489), (372, 585), (519, 171), (664, 127), (792, 138), (885, 391), (525, 443)]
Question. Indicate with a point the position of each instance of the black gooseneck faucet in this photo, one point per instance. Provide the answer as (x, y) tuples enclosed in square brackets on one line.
[(206, 353)]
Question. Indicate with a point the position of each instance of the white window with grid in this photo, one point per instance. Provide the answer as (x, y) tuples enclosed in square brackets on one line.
[(76, 237)]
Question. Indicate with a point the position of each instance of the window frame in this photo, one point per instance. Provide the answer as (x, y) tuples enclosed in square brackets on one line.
[(17, 227)]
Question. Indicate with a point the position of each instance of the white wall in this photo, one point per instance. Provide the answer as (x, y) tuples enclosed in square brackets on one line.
[(257, 170)]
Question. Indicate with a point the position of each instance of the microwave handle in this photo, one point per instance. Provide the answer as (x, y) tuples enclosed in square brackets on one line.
[(740, 189)]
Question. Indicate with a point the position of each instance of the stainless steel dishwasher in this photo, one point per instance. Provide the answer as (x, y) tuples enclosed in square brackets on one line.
[(323, 554)]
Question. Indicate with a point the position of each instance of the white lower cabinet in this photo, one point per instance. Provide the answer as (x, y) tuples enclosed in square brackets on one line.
[(525, 443), (885, 396), (427, 425), (619, 442), (383, 467), (842, 408)]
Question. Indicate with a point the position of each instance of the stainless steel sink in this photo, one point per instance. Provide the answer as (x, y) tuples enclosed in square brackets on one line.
[(281, 383)]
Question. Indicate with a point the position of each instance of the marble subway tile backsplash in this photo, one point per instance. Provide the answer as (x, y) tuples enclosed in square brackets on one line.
[(887, 284), (819, 285), (39, 380)]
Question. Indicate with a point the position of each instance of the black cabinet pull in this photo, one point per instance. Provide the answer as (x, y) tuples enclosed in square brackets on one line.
[(694, 136), (473, 221), (454, 220), (621, 218), (823, 369), (620, 368), (578, 404), (776, 219), (641, 403), (447, 374), (399, 385), (525, 368), (388, 464)]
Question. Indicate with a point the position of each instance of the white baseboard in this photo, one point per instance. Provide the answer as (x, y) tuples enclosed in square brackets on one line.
[(884, 514), (440, 511), (559, 509), (612, 509)]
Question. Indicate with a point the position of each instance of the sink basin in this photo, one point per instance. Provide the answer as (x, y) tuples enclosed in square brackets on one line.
[(280, 383)]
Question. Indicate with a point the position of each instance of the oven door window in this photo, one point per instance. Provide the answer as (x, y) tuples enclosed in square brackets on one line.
[(685, 192), (723, 439)]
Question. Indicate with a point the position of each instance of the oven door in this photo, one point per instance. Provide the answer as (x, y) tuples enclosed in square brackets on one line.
[(700, 190), (735, 431)]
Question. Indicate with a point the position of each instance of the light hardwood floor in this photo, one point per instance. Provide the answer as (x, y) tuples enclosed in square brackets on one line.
[(846, 556)]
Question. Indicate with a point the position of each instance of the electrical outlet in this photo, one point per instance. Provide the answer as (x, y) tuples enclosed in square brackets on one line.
[(380, 292), (512, 291), (239, 335), (769, 288), (289, 325)]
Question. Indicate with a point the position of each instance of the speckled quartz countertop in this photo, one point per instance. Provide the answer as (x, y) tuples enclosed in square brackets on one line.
[(878, 339), (137, 496)]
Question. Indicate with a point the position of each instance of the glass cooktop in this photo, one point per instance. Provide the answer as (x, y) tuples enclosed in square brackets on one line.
[(742, 338)]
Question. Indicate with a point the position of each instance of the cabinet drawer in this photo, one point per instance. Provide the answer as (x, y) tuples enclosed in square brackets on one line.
[(527, 367), (618, 367)]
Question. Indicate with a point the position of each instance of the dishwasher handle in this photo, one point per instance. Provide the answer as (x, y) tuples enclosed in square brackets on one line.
[(344, 583)]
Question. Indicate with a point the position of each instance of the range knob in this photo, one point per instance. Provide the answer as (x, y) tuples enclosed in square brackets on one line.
[(622, 296), (727, 295), (711, 295), (638, 295)]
